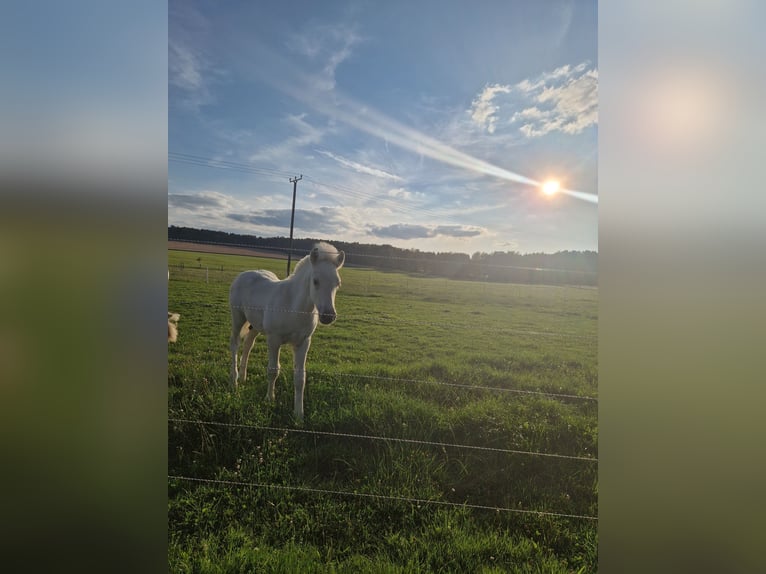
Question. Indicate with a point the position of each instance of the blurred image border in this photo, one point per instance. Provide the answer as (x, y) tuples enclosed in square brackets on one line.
[(83, 248)]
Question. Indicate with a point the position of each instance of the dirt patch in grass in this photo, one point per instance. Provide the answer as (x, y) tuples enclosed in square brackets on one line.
[(224, 249)]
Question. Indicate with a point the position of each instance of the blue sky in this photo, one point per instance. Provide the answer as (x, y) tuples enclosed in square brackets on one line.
[(421, 124)]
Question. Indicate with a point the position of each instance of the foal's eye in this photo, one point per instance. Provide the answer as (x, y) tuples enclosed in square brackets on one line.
[(316, 282)]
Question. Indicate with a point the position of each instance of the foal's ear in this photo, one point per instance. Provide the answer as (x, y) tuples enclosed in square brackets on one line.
[(340, 259)]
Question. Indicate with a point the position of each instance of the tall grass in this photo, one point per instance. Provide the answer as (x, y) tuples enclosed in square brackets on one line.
[(450, 362)]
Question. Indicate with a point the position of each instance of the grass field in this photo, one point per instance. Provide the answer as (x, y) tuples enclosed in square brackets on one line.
[(508, 368)]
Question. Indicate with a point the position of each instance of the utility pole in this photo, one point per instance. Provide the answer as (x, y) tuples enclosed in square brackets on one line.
[(294, 181)]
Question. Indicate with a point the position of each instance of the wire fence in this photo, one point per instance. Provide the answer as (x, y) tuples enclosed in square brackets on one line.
[(223, 273), (374, 496), (451, 327), (382, 438), (478, 388), (377, 496), (313, 373), (379, 318), (395, 320)]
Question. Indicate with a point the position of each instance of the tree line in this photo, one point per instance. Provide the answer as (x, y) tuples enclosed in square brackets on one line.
[(560, 268)]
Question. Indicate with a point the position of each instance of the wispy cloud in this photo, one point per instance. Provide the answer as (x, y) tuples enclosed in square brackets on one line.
[(304, 134), (358, 167), (186, 73), (183, 67), (327, 46)]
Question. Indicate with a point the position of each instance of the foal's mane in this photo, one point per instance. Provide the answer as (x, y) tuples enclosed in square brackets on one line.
[(326, 252)]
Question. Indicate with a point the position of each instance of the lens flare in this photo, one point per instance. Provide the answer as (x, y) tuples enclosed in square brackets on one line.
[(366, 119), (589, 197), (551, 187)]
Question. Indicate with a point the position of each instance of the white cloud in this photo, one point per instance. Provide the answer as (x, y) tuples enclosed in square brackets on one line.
[(564, 100), (528, 114), (399, 193), (483, 109)]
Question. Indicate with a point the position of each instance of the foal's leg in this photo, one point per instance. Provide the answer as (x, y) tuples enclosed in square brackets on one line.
[(272, 371), (237, 320), (247, 346), (299, 374)]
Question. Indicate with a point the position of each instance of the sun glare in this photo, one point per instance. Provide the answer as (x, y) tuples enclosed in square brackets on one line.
[(550, 187)]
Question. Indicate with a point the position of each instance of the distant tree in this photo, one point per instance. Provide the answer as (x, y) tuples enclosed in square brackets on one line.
[(562, 267)]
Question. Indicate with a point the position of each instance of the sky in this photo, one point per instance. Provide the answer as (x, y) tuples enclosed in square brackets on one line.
[(428, 125)]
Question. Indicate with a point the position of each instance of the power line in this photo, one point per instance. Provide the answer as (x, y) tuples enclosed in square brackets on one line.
[(247, 168), (223, 164)]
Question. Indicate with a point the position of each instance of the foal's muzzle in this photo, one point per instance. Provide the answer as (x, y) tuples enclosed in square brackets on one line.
[(327, 318)]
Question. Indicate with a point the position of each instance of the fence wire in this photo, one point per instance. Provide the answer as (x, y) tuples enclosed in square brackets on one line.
[(429, 261), (382, 438), (389, 320), (418, 501), (456, 385)]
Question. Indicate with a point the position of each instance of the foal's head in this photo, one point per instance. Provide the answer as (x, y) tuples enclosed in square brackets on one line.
[(325, 280)]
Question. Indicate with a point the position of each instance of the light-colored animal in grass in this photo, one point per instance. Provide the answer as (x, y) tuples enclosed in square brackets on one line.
[(172, 323), (286, 311), (173, 326)]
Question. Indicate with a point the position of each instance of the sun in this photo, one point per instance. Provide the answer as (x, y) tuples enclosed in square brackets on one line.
[(551, 187)]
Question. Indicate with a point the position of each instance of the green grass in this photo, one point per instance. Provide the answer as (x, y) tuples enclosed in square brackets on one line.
[(384, 369)]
